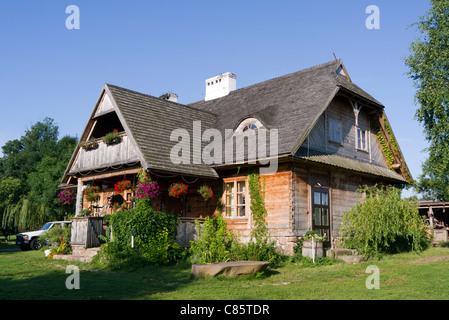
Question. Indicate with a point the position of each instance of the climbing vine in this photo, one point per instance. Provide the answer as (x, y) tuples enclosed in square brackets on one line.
[(258, 210), (390, 146)]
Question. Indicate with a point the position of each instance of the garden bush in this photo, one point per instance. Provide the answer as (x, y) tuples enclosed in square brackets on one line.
[(383, 222), (214, 241), (154, 235)]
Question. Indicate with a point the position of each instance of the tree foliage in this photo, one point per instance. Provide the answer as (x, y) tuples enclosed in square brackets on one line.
[(30, 171), (383, 222), (428, 65)]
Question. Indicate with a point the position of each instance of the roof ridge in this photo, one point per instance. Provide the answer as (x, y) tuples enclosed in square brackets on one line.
[(276, 78)]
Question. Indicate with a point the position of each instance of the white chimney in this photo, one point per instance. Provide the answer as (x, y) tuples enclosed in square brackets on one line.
[(170, 97), (220, 86)]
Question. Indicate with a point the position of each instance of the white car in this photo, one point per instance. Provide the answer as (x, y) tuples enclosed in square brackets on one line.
[(28, 240)]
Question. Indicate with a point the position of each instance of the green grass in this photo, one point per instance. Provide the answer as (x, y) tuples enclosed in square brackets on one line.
[(29, 275)]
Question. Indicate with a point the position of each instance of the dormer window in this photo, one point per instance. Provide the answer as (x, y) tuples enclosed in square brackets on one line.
[(249, 124)]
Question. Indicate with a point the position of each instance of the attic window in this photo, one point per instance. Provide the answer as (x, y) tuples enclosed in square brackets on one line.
[(249, 124), (335, 131)]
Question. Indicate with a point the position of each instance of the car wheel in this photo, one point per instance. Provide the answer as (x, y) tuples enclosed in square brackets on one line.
[(35, 245)]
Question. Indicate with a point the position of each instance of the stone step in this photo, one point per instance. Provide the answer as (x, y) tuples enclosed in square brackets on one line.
[(79, 253), (347, 255)]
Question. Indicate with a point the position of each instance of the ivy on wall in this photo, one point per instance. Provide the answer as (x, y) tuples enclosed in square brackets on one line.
[(258, 210), (389, 147)]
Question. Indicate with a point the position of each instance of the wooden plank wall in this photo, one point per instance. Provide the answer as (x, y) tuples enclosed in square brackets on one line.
[(278, 202), (341, 109), (343, 194), (85, 231), (105, 155)]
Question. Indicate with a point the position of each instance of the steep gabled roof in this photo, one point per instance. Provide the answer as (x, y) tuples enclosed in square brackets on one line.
[(150, 121), (291, 103)]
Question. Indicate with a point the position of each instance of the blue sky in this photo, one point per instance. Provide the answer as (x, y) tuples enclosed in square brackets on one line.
[(47, 70)]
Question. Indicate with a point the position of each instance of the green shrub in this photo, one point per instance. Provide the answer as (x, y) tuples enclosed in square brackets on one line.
[(154, 235), (214, 241), (257, 251), (384, 223)]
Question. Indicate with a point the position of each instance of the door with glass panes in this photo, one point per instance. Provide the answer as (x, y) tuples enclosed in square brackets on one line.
[(321, 214)]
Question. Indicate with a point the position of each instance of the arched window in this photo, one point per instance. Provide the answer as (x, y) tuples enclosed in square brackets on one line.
[(249, 124)]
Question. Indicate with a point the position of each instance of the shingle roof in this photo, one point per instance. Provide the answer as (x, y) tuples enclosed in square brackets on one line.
[(291, 103), (150, 121)]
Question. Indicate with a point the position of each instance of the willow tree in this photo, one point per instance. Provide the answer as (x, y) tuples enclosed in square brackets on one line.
[(428, 65)]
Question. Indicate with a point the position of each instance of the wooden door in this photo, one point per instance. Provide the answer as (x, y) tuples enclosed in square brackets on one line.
[(321, 214)]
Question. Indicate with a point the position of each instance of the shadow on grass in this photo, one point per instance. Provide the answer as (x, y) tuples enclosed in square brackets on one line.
[(31, 276), (28, 275)]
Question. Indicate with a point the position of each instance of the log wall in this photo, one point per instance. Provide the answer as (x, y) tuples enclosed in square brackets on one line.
[(343, 195), (278, 202)]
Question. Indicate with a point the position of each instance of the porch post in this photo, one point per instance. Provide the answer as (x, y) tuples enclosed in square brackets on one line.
[(79, 197)]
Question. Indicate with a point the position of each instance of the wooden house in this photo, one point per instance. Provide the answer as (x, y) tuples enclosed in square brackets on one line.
[(332, 138)]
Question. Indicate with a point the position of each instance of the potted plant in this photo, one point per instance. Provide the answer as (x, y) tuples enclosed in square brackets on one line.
[(112, 137), (206, 192), (177, 189), (313, 244)]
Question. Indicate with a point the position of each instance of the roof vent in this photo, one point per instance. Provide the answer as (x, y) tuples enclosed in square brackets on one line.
[(220, 86), (170, 97)]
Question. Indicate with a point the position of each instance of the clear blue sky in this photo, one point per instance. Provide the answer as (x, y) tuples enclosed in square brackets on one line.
[(154, 47)]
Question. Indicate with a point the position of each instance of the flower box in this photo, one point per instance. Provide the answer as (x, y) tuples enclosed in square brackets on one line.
[(112, 137), (89, 145)]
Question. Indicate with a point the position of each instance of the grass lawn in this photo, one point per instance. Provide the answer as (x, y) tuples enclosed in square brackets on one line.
[(29, 275)]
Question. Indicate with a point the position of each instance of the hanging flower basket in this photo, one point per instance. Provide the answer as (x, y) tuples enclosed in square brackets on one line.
[(90, 192), (147, 189), (66, 197), (206, 192), (122, 186), (112, 137), (177, 189)]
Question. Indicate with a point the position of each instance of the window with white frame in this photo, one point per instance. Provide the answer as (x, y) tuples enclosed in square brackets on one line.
[(362, 139), (235, 199), (335, 130)]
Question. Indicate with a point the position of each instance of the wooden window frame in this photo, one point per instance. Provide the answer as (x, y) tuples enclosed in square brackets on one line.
[(333, 132), (234, 207), (320, 206), (364, 136)]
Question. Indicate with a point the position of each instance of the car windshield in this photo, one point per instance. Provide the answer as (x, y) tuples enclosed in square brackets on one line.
[(46, 226)]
